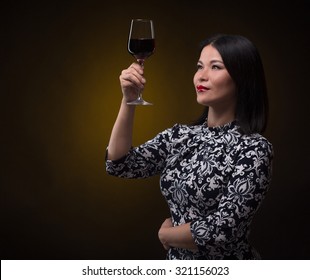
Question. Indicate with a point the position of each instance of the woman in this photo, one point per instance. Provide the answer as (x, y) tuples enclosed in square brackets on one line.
[(214, 174)]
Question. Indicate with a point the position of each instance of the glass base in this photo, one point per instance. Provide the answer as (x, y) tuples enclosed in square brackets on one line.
[(139, 101)]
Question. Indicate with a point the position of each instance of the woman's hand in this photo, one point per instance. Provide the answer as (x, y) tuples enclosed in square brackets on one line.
[(161, 233), (132, 82), (176, 236)]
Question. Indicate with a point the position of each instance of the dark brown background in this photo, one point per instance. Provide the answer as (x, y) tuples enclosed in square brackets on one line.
[(60, 95)]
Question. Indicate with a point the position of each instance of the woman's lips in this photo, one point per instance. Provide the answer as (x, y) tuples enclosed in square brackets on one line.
[(201, 88)]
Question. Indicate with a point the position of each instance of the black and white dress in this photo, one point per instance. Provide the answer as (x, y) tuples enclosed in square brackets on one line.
[(214, 178)]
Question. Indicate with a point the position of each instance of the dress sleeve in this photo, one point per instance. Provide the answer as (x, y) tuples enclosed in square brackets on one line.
[(143, 161), (241, 198)]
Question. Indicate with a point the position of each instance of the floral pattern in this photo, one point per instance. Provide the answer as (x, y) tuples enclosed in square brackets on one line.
[(214, 178)]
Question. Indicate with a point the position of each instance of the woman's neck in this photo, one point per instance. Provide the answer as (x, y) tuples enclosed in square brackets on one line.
[(219, 119)]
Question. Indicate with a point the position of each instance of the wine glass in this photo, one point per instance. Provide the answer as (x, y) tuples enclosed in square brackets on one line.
[(141, 44)]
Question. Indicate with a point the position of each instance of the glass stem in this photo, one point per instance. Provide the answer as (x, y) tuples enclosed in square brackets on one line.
[(141, 62)]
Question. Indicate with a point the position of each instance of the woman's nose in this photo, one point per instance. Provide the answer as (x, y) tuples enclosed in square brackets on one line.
[(203, 75)]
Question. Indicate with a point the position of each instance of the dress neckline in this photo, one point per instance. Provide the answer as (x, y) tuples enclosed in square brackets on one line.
[(221, 128)]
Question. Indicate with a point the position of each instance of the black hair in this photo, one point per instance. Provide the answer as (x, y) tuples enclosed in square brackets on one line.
[(243, 62)]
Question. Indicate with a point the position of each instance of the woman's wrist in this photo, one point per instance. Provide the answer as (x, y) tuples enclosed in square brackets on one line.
[(162, 235)]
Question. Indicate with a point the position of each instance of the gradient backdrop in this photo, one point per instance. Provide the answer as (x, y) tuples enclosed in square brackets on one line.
[(60, 94)]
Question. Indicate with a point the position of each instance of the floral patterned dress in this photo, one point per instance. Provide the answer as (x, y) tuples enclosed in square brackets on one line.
[(214, 178)]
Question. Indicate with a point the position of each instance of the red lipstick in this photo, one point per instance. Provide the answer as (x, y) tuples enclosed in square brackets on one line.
[(201, 88)]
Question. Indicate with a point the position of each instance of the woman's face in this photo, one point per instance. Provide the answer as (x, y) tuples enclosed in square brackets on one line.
[(214, 86)]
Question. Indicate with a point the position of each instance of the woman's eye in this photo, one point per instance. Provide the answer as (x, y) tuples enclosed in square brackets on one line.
[(199, 66), (216, 67)]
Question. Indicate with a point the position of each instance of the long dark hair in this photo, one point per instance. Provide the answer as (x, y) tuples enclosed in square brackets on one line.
[(242, 61)]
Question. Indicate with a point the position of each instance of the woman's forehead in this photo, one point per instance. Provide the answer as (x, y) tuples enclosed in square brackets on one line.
[(210, 53)]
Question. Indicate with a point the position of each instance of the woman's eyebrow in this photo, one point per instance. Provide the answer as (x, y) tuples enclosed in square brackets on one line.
[(216, 60), (211, 61)]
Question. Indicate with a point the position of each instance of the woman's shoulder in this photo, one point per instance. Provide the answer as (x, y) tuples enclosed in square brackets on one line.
[(256, 141), (255, 138)]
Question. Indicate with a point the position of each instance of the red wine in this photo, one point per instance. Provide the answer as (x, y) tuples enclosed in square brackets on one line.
[(141, 48)]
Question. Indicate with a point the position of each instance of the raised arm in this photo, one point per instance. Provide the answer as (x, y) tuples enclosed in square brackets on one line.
[(132, 81)]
